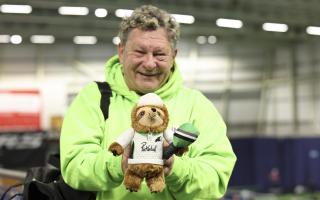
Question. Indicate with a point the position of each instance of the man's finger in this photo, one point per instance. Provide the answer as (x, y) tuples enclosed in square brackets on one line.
[(168, 166), (165, 144)]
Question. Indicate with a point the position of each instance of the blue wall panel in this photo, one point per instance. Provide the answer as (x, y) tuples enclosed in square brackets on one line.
[(243, 172), (296, 161)]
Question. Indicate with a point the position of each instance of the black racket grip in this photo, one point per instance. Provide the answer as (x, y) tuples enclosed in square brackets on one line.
[(169, 151)]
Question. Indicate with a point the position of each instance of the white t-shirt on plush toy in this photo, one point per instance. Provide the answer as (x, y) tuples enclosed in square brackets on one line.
[(146, 147)]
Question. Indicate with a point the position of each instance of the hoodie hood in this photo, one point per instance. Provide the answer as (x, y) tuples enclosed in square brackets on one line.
[(114, 76)]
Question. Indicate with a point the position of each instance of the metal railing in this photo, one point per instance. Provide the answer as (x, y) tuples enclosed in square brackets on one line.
[(15, 174)]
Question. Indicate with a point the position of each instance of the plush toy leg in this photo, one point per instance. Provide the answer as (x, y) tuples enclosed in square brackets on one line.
[(132, 181), (156, 183)]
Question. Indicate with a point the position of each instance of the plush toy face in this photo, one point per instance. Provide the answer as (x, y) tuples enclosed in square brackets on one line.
[(150, 118)]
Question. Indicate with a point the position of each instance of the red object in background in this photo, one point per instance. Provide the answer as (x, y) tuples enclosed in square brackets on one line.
[(20, 110)]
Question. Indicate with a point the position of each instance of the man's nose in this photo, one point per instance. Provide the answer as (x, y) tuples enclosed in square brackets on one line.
[(150, 61)]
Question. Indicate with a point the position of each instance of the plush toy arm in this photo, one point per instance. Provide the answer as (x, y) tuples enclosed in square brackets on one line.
[(168, 134), (116, 149), (122, 142)]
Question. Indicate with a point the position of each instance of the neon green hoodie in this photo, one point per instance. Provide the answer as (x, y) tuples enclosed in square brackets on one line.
[(203, 173)]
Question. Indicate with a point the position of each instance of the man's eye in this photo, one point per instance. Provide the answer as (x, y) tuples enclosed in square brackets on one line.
[(139, 51), (159, 54)]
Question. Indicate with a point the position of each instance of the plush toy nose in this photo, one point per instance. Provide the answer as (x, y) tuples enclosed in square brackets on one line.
[(153, 109)]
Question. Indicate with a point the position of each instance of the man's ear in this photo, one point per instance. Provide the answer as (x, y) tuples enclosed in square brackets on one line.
[(120, 52), (175, 53)]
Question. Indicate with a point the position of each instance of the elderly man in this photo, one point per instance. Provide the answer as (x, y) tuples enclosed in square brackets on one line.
[(145, 63)]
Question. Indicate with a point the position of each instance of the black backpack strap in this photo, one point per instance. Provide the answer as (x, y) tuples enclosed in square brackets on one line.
[(105, 90), (106, 93), (54, 160)]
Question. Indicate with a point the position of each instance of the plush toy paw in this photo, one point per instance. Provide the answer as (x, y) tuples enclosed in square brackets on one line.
[(116, 149), (132, 181), (156, 184), (132, 190), (181, 151)]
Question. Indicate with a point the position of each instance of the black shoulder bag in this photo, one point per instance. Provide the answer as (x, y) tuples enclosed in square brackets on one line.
[(46, 183)]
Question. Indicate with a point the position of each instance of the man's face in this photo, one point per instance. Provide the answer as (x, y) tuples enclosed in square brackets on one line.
[(147, 58)]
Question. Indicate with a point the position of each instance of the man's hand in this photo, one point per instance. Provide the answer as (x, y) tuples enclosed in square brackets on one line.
[(181, 151), (167, 167)]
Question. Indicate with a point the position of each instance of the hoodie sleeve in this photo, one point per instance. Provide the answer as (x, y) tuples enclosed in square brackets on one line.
[(85, 164), (204, 172)]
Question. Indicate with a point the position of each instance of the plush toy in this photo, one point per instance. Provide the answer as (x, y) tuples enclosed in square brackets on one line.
[(149, 130)]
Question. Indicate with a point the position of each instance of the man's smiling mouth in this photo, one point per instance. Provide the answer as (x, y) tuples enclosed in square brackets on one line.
[(148, 74)]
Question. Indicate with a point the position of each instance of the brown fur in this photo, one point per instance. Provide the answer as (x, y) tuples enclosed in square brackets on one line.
[(153, 173), (135, 173), (116, 149), (146, 129)]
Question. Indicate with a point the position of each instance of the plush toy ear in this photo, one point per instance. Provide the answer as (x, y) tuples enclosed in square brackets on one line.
[(133, 115), (135, 120), (166, 113)]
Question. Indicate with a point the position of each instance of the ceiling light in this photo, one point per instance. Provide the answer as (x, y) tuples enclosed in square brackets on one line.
[(212, 39), (66, 10), (229, 23), (4, 38), (15, 39), (275, 27), (42, 39), (201, 39), (185, 19), (123, 13), (313, 30), (101, 12), (116, 40), (21, 9), (85, 39)]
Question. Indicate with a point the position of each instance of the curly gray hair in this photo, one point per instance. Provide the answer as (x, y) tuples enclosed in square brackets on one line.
[(148, 18)]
